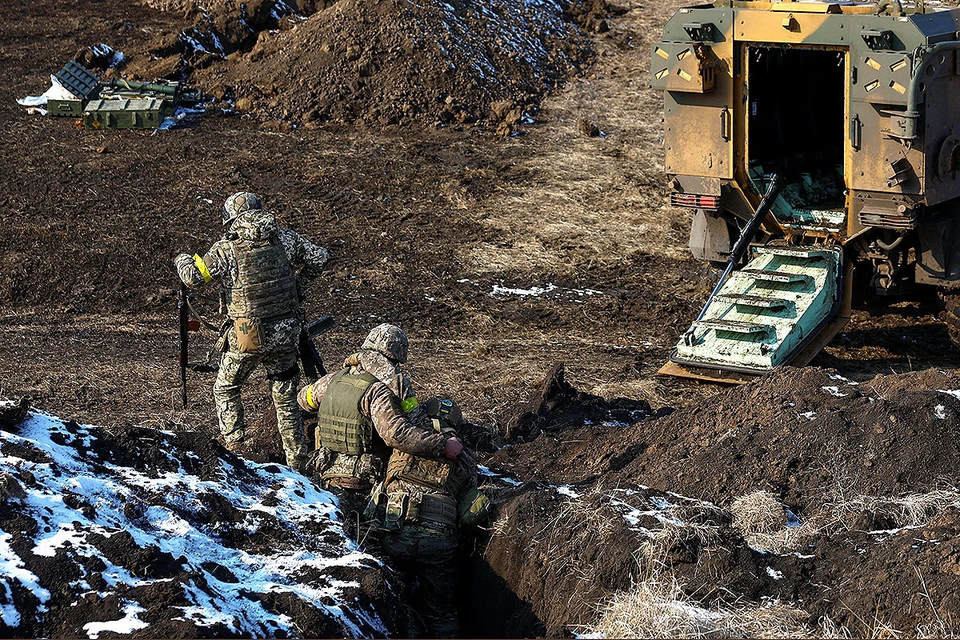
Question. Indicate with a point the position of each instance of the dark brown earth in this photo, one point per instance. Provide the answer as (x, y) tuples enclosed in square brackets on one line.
[(104, 565), (889, 436), (423, 222)]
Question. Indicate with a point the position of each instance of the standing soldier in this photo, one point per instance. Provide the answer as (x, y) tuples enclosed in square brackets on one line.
[(360, 417), (262, 270), (427, 500)]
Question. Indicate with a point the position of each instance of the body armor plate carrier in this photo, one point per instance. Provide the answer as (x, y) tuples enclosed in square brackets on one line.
[(342, 427), (265, 286)]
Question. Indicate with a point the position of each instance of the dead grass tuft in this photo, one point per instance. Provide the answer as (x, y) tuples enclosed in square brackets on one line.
[(659, 608), (758, 512), (760, 516)]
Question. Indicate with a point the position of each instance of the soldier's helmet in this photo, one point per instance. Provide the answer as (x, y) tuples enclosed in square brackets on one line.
[(388, 339), (238, 203)]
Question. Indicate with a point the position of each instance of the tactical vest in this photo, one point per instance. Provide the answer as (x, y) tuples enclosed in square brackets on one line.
[(342, 427), (265, 286)]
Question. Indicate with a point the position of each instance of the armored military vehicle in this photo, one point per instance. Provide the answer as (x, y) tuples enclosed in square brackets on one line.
[(818, 143)]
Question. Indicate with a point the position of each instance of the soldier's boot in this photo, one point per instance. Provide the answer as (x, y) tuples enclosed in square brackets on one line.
[(235, 440)]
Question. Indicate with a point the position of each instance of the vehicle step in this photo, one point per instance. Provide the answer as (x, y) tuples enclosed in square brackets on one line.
[(759, 302), (783, 277), (735, 326), (803, 254)]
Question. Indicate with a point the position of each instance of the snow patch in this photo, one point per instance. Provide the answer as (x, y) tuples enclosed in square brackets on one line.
[(268, 493), (127, 624), (835, 391)]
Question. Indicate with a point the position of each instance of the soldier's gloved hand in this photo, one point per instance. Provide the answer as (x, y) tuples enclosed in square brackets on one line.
[(452, 448)]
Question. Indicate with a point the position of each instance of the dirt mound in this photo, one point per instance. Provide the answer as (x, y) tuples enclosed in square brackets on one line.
[(138, 529), (862, 479), (556, 405), (797, 432), (400, 62)]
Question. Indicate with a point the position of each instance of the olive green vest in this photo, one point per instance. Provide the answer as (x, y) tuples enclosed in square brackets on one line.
[(342, 427), (265, 285)]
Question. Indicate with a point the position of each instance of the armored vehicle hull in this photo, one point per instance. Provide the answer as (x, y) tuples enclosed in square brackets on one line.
[(853, 106)]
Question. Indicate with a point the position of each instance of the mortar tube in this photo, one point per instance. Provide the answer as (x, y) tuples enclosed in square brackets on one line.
[(912, 114)]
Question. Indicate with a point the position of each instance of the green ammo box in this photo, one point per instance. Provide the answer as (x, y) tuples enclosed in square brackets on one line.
[(65, 107), (145, 113)]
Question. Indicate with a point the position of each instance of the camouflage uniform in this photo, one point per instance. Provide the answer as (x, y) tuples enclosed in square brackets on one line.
[(388, 372), (352, 475), (425, 496), (226, 263)]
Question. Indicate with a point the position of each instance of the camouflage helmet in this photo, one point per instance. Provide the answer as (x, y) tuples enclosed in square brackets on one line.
[(238, 203), (388, 339)]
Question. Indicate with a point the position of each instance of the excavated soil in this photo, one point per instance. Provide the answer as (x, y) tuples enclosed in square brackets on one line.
[(811, 437), (502, 256), (796, 432)]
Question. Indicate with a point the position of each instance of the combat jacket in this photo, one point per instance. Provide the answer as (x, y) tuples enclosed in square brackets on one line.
[(388, 372), (427, 490)]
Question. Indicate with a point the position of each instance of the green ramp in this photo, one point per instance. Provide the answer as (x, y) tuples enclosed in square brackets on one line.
[(766, 313)]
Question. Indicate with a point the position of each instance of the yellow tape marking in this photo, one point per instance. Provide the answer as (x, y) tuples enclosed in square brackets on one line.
[(202, 268)]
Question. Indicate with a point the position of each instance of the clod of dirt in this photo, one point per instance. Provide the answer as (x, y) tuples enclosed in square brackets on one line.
[(588, 128), (555, 406), (10, 489), (13, 413)]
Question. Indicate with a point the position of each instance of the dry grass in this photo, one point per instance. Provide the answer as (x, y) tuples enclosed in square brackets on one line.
[(912, 510), (761, 519), (659, 608), (760, 516)]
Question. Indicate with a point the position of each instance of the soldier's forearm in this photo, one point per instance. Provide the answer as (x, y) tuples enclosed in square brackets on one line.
[(187, 269)]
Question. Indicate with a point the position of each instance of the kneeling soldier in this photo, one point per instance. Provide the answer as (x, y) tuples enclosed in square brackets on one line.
[(427, 499), (359, 420)]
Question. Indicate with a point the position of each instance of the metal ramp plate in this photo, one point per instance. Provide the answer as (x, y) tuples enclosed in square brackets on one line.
[(759, 302), (734, 326), (748, 328), (782, 277)]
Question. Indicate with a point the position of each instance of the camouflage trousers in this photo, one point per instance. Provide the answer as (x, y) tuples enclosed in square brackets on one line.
[(426, 559), (283, 377)]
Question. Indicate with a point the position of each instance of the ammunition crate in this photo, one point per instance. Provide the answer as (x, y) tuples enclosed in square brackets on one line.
[(65, 107), (126, 114)]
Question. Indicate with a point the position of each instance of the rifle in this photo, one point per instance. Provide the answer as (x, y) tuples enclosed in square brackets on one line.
[(313, 368), (186, 326)]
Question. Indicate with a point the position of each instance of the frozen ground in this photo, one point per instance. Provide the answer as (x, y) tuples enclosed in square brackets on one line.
[(169, 532)]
